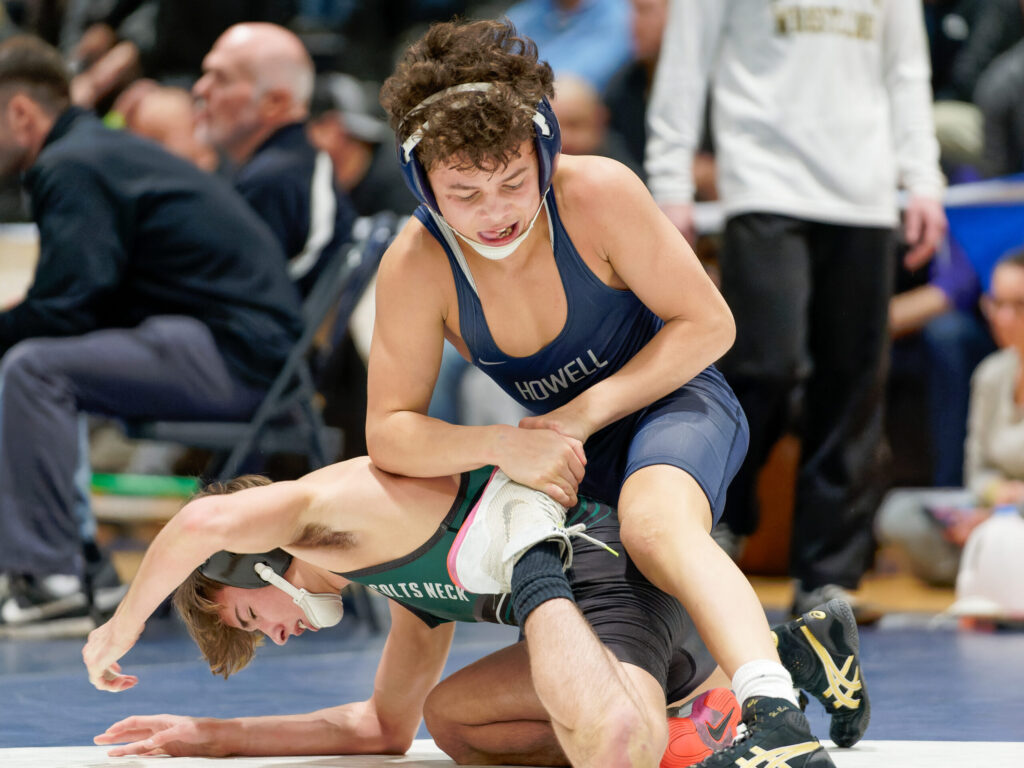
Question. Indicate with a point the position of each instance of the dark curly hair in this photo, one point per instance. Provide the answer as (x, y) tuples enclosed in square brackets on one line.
[(478, 129)]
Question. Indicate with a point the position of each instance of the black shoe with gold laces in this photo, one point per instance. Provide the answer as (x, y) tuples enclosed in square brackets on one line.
[(820, 650), (774, 734)]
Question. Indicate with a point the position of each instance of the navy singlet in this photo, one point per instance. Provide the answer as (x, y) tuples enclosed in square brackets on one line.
[(699, 428), (604, 327)]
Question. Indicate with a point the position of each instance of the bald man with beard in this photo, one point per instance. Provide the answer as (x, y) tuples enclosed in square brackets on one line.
[(252, 104)]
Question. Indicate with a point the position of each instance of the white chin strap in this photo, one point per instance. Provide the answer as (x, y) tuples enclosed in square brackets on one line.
[(499, 252), (322, 609)]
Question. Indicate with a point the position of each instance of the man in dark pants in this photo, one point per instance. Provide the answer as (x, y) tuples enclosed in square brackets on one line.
[(808, 175), (158, 294), (252, 106)]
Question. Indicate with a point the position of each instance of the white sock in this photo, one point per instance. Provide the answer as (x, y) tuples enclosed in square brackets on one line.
[(763, 678)]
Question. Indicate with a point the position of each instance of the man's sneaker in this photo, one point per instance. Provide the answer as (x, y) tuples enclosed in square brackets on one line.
[(508, 520), (60, 601), (774, 734), (805, 600), (34, 599), (699, 728), (820, 650)]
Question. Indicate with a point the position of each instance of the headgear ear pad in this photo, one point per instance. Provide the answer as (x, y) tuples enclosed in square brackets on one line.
[(235, 570), (547, 143)]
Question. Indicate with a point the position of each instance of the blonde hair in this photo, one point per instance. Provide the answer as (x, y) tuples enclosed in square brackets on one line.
[(226, 649)]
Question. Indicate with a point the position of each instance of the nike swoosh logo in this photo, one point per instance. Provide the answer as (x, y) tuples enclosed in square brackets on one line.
[(489, 362), (718, 731)]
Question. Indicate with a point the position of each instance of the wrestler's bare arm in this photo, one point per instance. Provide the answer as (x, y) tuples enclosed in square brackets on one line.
[(252, 520), (386, 723), (405, 357)]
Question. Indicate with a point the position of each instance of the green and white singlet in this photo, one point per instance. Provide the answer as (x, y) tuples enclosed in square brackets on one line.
[(420, 580)]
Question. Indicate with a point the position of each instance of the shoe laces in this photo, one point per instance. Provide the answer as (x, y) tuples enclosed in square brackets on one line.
[(557, 514), (742, 734), (578, 530)]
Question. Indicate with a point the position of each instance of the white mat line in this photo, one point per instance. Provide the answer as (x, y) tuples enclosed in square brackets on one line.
[(425, 754)]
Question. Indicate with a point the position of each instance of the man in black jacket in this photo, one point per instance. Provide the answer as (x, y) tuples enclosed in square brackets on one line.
[(158, 295)]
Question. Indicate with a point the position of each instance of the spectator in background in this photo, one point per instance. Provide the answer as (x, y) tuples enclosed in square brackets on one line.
[(252, 104), (938, 331), (165, 115), (1000, 97), (931, 525), (183, 31), (629, 91), (346, 124), (583, 120), (629, 88), (964, 37), (158, 295), (808, 175), (589, 38), (374, 31)]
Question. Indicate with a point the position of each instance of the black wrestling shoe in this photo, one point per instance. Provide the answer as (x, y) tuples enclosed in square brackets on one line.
[(820, 650), (774, 733)]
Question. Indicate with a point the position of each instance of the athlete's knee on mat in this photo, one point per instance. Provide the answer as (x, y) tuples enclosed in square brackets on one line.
[(623, 737), (455, 739), (440, 715), (452, 738)]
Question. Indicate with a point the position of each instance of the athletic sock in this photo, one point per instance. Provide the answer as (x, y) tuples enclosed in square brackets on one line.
[(537, 578), (762, 677)]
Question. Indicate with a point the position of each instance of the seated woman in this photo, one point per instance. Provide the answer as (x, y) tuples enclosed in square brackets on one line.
[(930, 525)]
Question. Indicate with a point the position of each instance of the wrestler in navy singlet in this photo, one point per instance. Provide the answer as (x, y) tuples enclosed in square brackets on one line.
[(699, 427)]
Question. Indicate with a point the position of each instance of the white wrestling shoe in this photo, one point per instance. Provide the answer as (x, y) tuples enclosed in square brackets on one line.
[(508, 520)]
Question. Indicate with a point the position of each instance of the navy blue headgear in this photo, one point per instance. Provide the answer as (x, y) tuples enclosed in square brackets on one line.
[(547, 143), (235, 570)]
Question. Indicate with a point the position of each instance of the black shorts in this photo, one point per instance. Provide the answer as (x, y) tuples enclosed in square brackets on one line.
[(638, 622)]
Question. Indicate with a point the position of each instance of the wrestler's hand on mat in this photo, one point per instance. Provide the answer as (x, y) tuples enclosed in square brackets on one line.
[(544, 460), (107, 644), (172, 735), (924, 226)]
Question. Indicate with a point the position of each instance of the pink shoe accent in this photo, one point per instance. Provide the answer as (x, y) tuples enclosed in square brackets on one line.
[(453, 553)]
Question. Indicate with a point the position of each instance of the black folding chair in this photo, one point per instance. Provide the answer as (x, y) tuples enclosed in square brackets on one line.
[(288, 420)]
